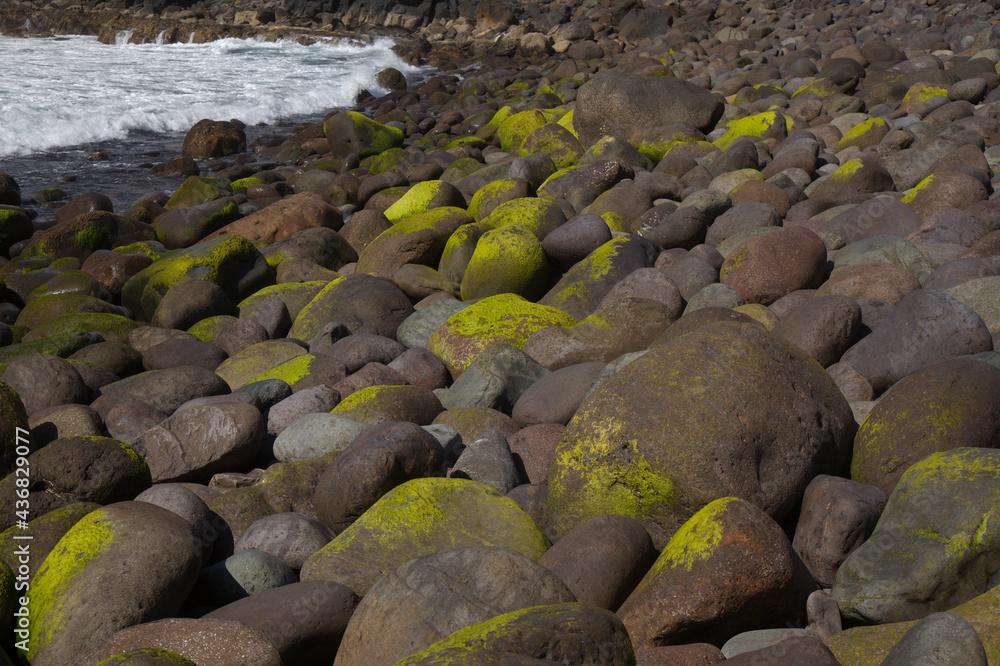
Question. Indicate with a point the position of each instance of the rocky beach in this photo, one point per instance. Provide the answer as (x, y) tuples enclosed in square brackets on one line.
[(622, 333)]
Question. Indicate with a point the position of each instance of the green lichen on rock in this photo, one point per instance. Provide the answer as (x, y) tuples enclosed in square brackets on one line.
[(502, 318), (920, 93), (416, 200), (696, 539), (755, 125), (508, 259), (295, 296), (422, 517), (208, 329), (230, 261), (198, 190), (291, 371), (61, 344), (352, 132), (143, 247), (482, 201), (86, 540), (539, 216), (111, 327), (513, 130), (384, 160), (46, 308), (864, 134), (556, 141), (822, 88), (240, 186), (242, 367)]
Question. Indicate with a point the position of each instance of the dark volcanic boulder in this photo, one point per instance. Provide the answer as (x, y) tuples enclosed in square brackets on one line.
[(728, 409), (622, 104), (214, 138)]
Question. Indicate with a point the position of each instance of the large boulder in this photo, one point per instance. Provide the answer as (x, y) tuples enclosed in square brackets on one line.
[(622, 104), (727, 409), (119, 566), (214, 138), (936, 545)]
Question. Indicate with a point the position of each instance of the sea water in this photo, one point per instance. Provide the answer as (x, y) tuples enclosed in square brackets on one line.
[(64, 99)]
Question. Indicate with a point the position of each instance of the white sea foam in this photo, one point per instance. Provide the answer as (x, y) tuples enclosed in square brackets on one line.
[(58, 93)]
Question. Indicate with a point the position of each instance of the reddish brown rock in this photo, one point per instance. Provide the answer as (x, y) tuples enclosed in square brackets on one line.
[(284, 219), (113, 269), (768, 267), (534, 448), (884, 282)]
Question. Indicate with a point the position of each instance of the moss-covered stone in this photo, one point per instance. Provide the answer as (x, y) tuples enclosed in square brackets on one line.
[(45, 532), (539, 216), (506, 260), (461, 168), (864, 134), (491, 195), (363, 303), (258, 358), (580, 291), (501, 318), (208, 329), (152, 249), (382, 404), (77, 237), (112, 327), (46, 308), (197, 190), (646, 443), (295, 296), (230, 261), (304, 371), (352, 132), (556, 141), (538, 634), (920, 93), (416, 239), (383, 161), (513, 130), (61, 344), (240, 186), (762, 124), (422, 197), (419, 518)]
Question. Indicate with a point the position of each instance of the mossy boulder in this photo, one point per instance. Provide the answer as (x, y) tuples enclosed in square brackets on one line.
[(111, 327), (363, 303), (351, 132), (515, 129), (864, 134), (459, 249), (208, 329), (727, 570), (376, 164), (502, 318), (45, 531), (919, 93), (382, 404), (580, 291), (295, 296), (304, 371), (945, 189), (62, 344), (506, 260), (12, 417), (936, 545), (497, 192), (230, 261), (424, 196), (47, 308), (83, 593), (197, 190), (853, 182), (186, 226), (556, 141), (242, 367), (15, 226), (860, 646), (77, 237), (541, 217), (941, 407), (417, 239), (540, 634), (768, 124), (422, 517), (214, 138), (652, 442)]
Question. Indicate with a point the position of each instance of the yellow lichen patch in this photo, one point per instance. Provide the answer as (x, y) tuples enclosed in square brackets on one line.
[(416, 200), (697, 538), (290, 372), (822, 88), (864, 134), (239, 369), (918, 188), (84, 542), (508, 259), (755, 125), (760, 313), (920, 93), (615, 222)]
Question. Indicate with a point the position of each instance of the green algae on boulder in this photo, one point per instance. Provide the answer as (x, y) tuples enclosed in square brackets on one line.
[(241, 368), (506, 260), (83, 592), (44, 309), (45, 531), (381, 404), (538, 215), (363, 303), (940, 407), (197, 190), (578, 632), (936, 545), (418, 518), (580, 291), (727, 570), (769, 123), (425, 195), (295, 296), (77, 237), (418, 239), (726, 410), (112, 327), (555, 141), (501, 318), (352, 132), (230, 261)]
